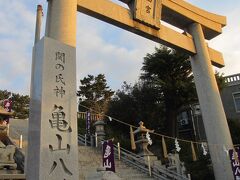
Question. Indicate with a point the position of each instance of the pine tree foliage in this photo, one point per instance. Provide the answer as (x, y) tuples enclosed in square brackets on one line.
[(135, 103), (20, 103), (170, 72), (94, 93)]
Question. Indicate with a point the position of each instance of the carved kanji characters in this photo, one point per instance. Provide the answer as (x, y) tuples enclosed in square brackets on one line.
[(56, 162), (60, 56), (60, 92), (148, 9), (58, 119), (59, 67), (60, 79)]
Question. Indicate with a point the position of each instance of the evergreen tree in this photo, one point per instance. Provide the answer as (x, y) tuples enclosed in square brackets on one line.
[(4, 94), (20, 103), (20, 106), (170, 72), (137, 103), (94, 93)]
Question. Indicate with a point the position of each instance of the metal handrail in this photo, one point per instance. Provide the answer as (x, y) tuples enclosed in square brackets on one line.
[(157, 171), (138, 162), (81, 140)]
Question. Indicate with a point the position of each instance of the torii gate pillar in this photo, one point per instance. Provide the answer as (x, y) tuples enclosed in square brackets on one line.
[(53, 146), (214, 117), (62, 21)]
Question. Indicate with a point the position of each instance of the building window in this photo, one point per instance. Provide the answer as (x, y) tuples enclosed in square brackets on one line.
[(183, 118), (236, 98)]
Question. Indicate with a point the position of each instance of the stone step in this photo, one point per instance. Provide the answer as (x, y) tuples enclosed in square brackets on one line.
[(90, 159), (131, 173), (126, 170), (7, 171), (121, 165), (137, 178)]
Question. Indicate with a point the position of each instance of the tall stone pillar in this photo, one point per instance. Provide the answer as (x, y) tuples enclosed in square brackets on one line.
[(52, 149), (214, 118)]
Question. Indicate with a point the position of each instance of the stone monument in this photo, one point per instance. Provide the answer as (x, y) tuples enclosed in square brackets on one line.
[(99, 130), (6, 156), (175, 164), (52, 149)]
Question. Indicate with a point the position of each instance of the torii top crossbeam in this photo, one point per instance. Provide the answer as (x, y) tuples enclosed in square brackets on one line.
[(180, 14), (175, 12)]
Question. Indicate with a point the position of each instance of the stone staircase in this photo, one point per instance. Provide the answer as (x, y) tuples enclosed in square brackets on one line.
[(130, 167), (128, 173), (90, 160)]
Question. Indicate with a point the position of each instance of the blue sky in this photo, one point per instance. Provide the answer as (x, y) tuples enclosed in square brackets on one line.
[(101, 48)]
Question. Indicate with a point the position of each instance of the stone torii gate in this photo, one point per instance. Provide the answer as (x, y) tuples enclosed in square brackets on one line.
[(52, 150)]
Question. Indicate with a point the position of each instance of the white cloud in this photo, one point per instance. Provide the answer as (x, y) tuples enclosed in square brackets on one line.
[(95, 54), (16, 37), (101, 48), (228, 43)]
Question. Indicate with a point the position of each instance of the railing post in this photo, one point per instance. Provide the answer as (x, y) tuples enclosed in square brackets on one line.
[(20, 142), (149, 166), (96, 140), (85, 136), (119, 151)]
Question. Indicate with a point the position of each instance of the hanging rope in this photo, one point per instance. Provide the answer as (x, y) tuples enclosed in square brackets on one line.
[(158, 134)]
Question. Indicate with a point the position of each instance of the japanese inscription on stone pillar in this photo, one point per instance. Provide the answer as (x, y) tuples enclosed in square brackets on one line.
[(148, 12), (58, 122), (58, 154)]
